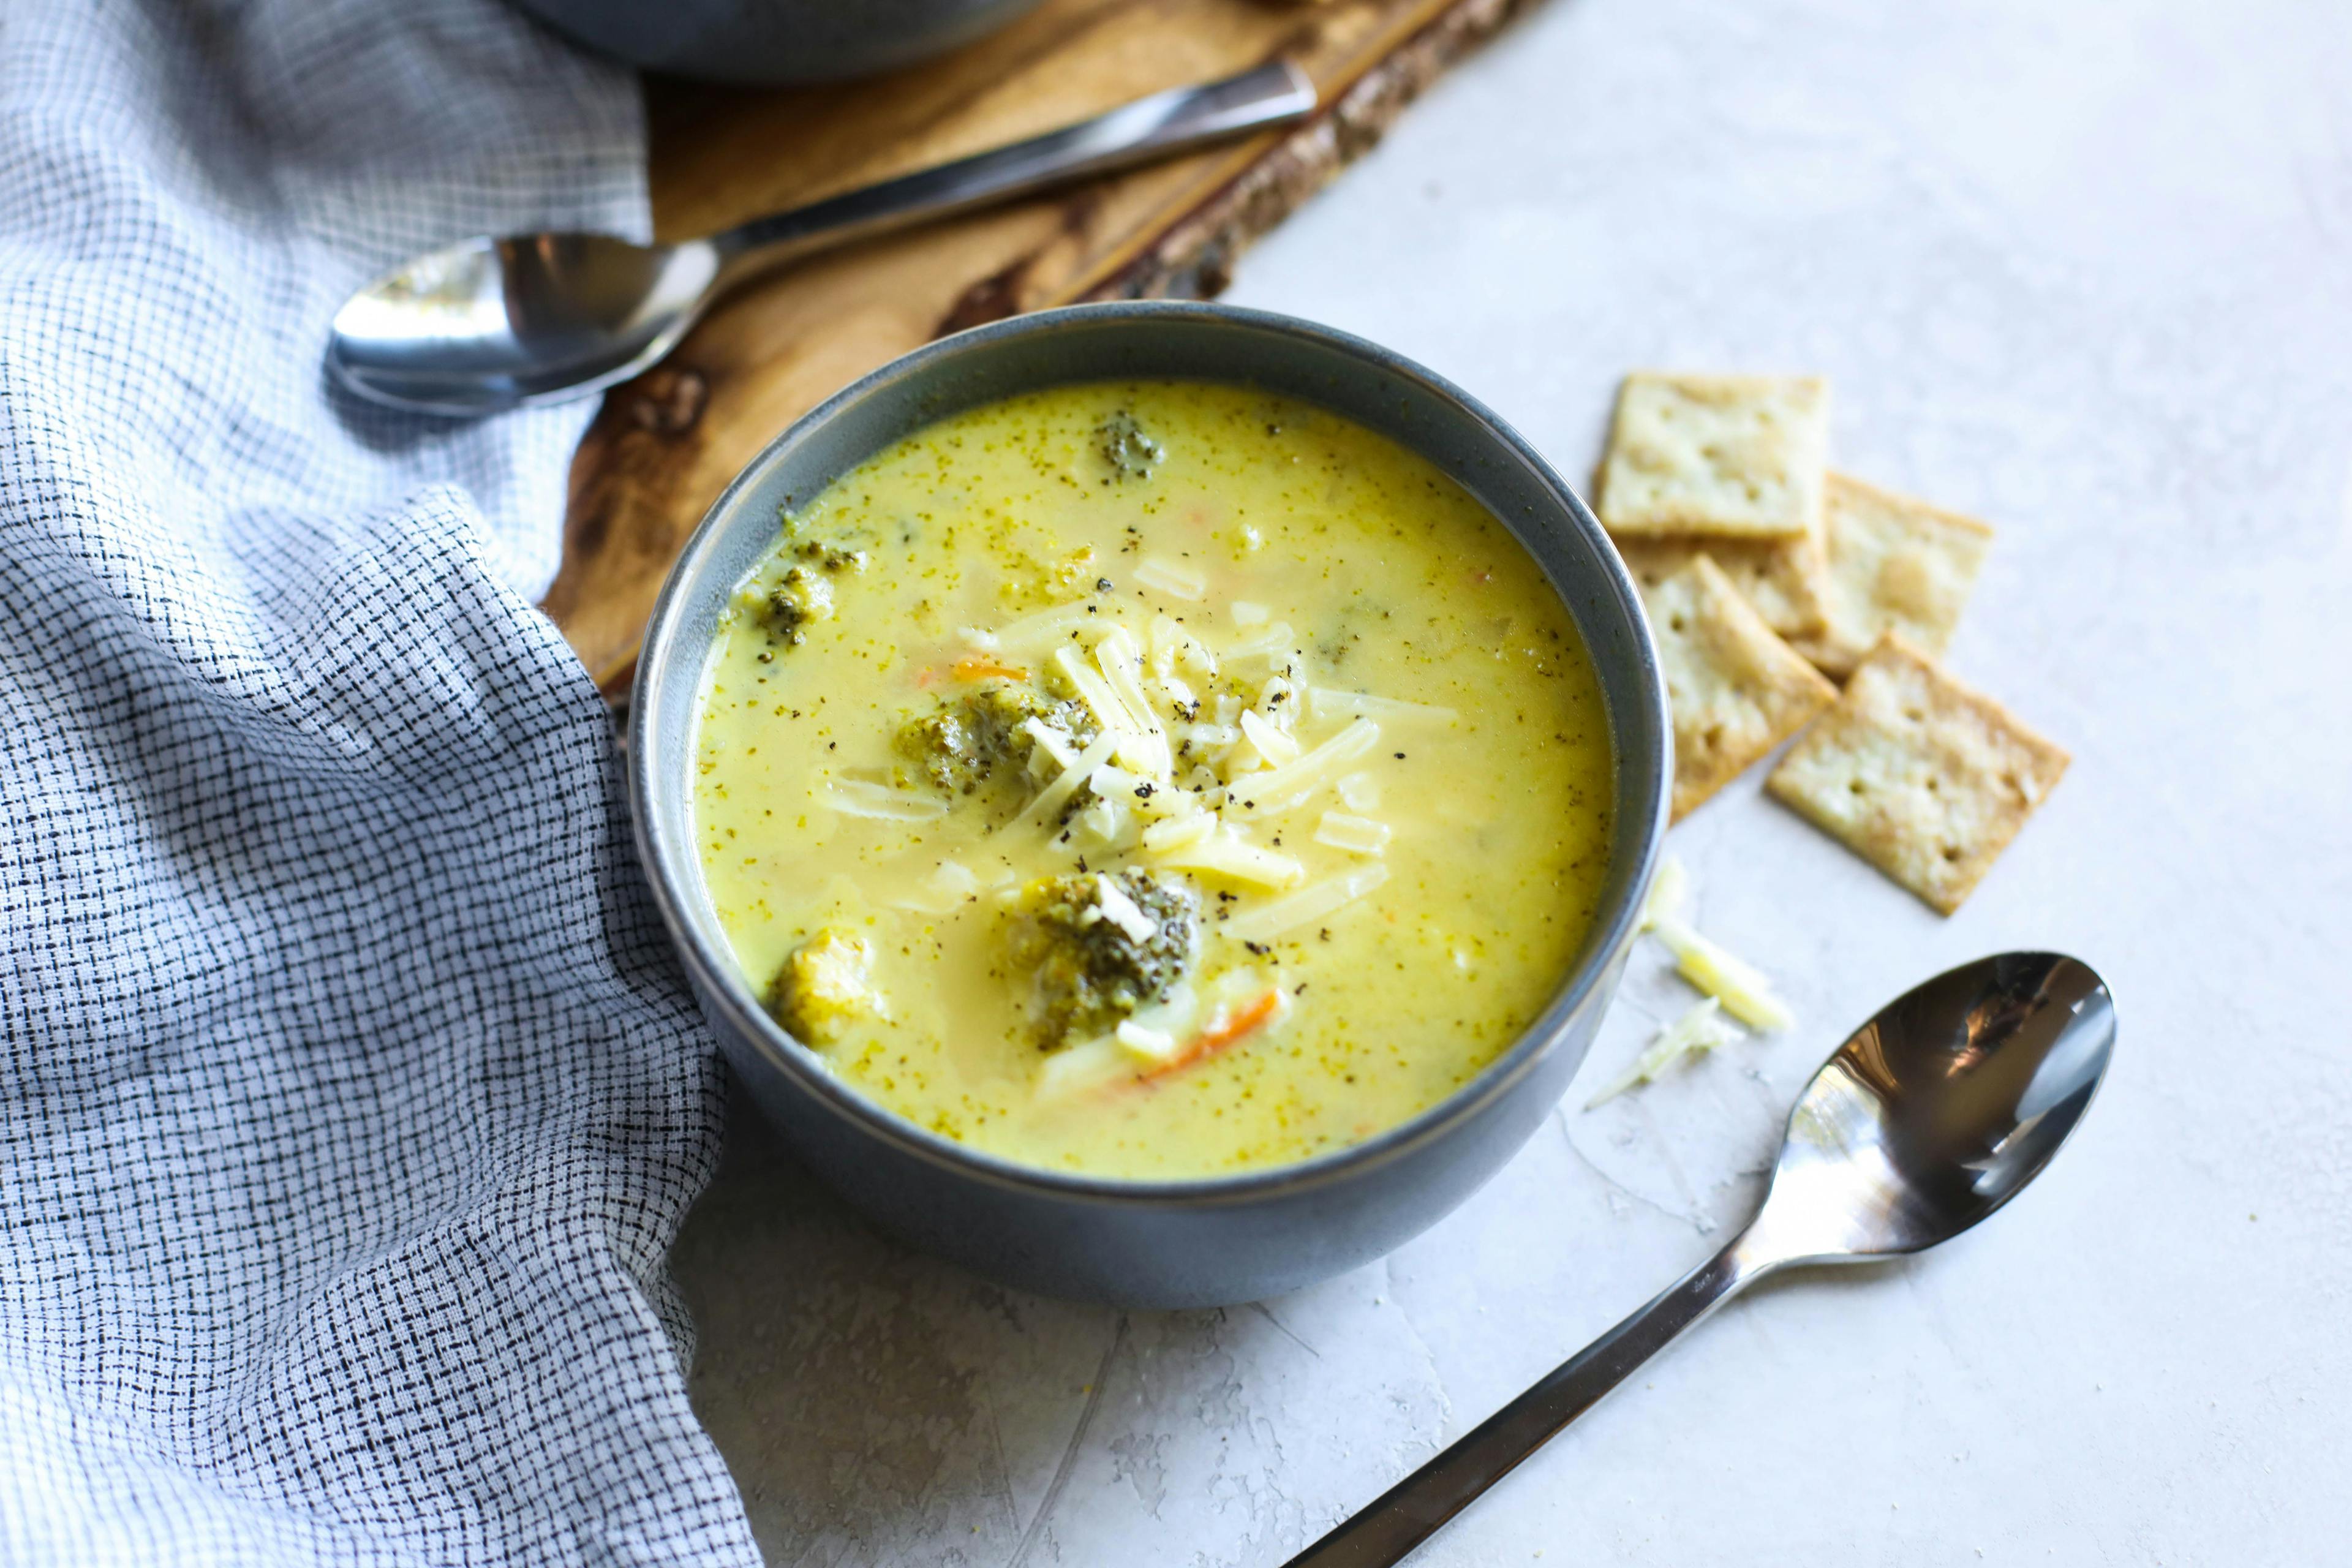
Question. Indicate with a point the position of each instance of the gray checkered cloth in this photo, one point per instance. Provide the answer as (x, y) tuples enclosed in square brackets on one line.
[(351, 1100)]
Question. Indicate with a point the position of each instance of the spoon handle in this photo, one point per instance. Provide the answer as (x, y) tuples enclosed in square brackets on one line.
[(1149, 128), (1413, 1509)]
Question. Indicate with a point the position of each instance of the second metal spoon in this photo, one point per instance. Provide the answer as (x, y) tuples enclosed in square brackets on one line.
[(1931, 1116), (492, 323)]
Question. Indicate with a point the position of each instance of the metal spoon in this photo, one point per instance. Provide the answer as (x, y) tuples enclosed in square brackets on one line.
[(1932, 1116), (490, 323)]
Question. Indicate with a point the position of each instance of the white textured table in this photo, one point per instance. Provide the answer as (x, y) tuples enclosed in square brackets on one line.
[(2083, 270)]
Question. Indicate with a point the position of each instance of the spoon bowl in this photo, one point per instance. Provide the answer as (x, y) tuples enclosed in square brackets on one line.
[(1930, 1116), (1940, 1108), (487, 324)]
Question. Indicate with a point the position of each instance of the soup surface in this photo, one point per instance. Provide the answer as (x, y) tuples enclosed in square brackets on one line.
[(1151, 780)]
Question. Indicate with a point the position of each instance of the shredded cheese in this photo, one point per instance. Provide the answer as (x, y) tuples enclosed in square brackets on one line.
[(1055, 795), (1108, 823), (1035, 634), (1274, 640), (1077, 1069), (1154, 1046), (1145, 797), (1699, 1030), (1738, 985), (1327, 702), (1179, 832), (1138, 743), (1307, 905), (1357, 835), (1173, 1015), (1151, 1037), (949, 886), (1120, 910), (1272, 744), (863, 797), (1287, 785), (1093, 690), (1175, 578), (1173, 648), (1226, 855), (1277, 704), (1121, 663), (1254, 764), (1180, 702), (1054, 742)]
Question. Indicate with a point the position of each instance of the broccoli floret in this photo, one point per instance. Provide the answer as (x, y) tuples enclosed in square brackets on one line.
[(831, 559), (962, 745), (1001, 713), (798, 598), (825, 985), (1031, 579), (942, 746), (1130, 453), (1099, 946)]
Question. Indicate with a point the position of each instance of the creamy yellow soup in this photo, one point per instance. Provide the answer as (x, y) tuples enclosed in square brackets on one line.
[(1151, 780)]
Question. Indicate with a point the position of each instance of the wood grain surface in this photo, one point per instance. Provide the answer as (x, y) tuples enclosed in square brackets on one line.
[(664, 446)]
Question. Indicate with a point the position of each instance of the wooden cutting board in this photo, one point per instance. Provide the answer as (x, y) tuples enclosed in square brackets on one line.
[(665, 445)]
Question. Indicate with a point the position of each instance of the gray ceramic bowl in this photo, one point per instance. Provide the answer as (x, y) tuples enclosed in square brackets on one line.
[(775, 41), (1162, 1244)]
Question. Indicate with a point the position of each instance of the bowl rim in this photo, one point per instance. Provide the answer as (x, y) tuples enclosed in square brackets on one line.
[(721, 984)]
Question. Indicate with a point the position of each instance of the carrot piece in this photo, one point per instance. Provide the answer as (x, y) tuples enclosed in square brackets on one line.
[(980, 667), (1209, 1042)]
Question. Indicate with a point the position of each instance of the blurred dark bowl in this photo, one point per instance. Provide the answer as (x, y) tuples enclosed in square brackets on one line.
[(767, 42)]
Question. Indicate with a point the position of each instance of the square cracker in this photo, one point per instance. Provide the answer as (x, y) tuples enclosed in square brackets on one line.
[(1895, 564), (1736, 690), (1733, 455), (1924, 778), (1782, 578)]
